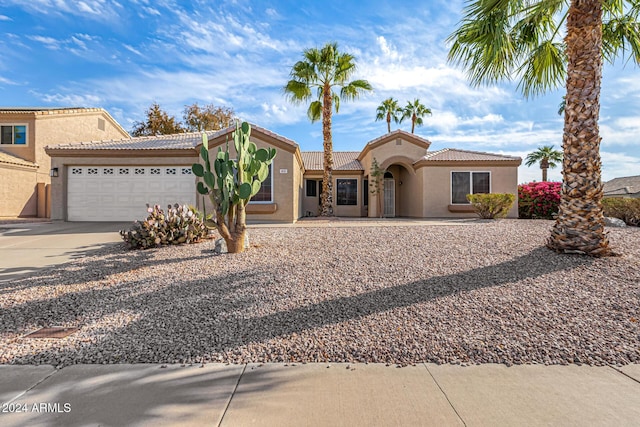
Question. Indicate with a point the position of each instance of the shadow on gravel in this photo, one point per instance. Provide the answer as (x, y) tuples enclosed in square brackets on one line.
[(196, 320)]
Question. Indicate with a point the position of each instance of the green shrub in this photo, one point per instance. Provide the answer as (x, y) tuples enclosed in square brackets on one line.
[(181, 224), (626, 209), (493, 205)]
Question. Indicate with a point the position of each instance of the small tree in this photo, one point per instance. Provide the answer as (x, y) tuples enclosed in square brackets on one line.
[(232, 183), (376, 176), (158, 122), (209, 117)]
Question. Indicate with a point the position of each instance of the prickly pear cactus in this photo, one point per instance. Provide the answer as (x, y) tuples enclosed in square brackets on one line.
[(180, 224), (231, 183)]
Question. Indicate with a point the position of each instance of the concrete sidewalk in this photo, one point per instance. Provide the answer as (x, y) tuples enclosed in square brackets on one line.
[(325, 394)]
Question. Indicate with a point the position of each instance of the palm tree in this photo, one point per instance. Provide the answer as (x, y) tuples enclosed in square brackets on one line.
[(389, 109), (323, 70), (415, 111), (546, 156), (561, 106), (500, 39)]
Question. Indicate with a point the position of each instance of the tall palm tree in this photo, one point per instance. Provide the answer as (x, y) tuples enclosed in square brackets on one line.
[(546, 156), (323, 70), (498, 39), (415, 111), (389, 109)]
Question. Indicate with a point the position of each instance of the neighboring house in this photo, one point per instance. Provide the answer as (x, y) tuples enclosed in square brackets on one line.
[(627, 186), (113, 180), (25, 168)]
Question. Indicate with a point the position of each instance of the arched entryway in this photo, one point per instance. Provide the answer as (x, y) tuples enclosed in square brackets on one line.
[(401, 192)]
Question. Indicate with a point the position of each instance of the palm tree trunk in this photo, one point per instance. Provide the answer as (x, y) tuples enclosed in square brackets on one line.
[(413, 122), (388, 122), (579, 227), (544, 174), (326, 197)]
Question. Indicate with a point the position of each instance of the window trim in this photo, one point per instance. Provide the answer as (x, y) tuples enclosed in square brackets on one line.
[(26, 134), (315, 187), (338, 186), (266, 202), (470, 184)]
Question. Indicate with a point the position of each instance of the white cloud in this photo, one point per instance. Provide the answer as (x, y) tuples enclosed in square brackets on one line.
[(48, 42), (132, 49), (5, 18)]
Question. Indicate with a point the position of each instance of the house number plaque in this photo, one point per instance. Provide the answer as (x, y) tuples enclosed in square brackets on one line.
[(284, 171)]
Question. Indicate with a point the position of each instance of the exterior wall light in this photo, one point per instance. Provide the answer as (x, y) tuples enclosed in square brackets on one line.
[(53, 172)]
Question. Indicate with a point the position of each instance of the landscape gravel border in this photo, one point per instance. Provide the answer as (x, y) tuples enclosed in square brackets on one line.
[(481, 292)]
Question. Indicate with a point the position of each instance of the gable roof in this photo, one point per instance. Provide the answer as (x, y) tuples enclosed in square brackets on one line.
[(178, 141), (622, 186), (342, 161), (392, 136), (455, 155), (10, 159), (283, 141)]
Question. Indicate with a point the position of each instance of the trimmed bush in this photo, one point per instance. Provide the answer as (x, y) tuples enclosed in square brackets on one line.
[(181, 224), (493, 205), (626, 209), (539, 199)]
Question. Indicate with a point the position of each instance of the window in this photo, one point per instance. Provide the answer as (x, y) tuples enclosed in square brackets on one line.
[(463, 183), (107, 171), (265, 192), (347, 192), (92, 171), (365, 192), (312, 188), (13, 135), (155, 171)]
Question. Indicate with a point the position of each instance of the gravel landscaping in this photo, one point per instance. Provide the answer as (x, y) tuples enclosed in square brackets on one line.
[(483, 292)]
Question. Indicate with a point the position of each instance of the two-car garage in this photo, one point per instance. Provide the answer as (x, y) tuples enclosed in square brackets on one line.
[(115, 180), (122, 192)]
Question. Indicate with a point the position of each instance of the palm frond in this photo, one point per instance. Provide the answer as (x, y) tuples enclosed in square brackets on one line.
[(544, 69), (315, 111)]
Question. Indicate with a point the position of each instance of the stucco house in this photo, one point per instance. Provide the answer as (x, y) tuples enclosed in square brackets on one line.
[(114, 180), (626, 186), (25, 168)]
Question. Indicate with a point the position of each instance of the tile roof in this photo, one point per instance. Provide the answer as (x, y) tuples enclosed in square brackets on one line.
[(342, 161), (161, 142), (622, 186), (47, 110), (453, 154), (176, 141), (10, 159)]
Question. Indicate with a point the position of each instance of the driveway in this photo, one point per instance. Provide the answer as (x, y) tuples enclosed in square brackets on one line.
[(27, 247)]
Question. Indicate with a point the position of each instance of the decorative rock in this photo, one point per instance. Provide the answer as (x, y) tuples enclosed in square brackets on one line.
[(614, 222), (221, 245)]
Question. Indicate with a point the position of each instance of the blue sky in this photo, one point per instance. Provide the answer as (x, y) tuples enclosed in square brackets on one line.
[(124, 55)]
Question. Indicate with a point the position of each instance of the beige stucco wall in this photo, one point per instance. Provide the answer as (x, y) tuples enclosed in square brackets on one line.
[(437, 187), (287, 181), (310, 204), (397, 156), (18, 195), (347, 210), (59, 184), (53, 129), (56, 129)]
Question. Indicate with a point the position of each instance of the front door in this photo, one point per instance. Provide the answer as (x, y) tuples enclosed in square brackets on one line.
[(389, 197)]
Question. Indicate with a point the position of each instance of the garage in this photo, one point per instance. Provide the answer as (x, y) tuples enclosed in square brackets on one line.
[(121, 192)]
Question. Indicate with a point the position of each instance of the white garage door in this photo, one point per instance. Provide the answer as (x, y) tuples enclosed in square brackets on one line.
[(121, 193)]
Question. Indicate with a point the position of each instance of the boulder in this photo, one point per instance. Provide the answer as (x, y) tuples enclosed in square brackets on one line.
[(614, 222), (221, 245)]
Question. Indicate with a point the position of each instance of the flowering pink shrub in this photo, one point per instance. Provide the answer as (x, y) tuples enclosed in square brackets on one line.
[(539, 199)]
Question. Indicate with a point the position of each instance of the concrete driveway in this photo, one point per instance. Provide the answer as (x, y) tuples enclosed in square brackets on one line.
[(27, 247)]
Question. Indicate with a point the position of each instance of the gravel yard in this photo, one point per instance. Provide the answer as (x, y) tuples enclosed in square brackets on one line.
[(486, 292)]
